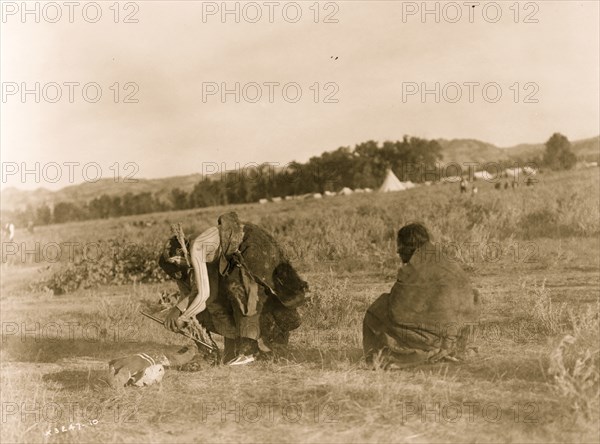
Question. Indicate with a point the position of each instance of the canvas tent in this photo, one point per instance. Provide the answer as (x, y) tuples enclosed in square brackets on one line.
[(484, 175), (451, 179), (513, 172), (391, 183)]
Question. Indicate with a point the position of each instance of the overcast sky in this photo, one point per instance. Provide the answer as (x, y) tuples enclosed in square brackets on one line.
[(376, 50)]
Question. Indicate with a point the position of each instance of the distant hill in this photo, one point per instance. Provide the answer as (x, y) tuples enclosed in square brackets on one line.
[(471, 150), (583, 149), (456, 150), (13, 198)]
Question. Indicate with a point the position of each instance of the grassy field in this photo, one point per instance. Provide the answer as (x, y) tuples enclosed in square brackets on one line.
[(533, 253)]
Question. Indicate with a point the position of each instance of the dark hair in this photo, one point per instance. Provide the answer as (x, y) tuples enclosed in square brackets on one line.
[(411, 237), (173, 248)]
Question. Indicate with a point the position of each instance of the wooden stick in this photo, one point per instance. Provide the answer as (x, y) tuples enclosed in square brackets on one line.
[(155, 319), (178, 231)]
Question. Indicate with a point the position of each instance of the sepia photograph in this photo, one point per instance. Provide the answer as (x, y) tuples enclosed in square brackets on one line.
[(310, 221)]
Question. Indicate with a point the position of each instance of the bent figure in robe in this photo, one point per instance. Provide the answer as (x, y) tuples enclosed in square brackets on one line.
[(238, 284)]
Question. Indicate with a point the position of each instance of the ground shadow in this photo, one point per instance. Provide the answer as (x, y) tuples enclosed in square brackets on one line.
[(325, 357), (484, 366), (17, 349), (76, 380)]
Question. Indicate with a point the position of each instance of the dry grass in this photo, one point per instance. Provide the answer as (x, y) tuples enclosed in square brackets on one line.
[(522, 386), (575, 375)]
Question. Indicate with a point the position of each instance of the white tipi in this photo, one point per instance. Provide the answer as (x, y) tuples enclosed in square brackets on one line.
[(391, 183)]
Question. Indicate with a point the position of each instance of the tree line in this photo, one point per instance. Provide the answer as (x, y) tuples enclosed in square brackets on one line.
[(364, 166)]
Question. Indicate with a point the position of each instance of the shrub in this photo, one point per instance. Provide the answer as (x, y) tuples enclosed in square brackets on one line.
[(575, 375), (120, 263)]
